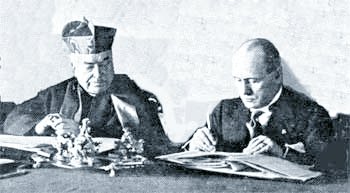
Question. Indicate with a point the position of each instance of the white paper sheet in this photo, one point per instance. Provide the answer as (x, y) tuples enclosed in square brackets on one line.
[(258, 166), (31, 143)]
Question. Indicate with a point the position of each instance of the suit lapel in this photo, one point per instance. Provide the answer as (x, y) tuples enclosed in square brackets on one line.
[(243, 118), (282, 122)]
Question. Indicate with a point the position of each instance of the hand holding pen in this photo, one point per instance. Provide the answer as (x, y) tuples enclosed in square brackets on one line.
[(203, 139)]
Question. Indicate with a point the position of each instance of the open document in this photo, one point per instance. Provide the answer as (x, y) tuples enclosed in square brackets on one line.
[(258, 166), (40, 144)]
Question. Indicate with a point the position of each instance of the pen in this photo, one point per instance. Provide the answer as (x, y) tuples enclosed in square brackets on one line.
[(12, 174), (211, 131), (208, 122)]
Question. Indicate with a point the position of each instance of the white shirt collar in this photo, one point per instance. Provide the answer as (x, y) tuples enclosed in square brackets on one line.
[(266, 113)]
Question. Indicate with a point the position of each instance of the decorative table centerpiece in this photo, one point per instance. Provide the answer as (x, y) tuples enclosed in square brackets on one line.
[(81, 151)]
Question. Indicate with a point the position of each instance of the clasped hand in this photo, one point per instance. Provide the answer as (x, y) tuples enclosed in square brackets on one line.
[(263, 144), (59, 123)]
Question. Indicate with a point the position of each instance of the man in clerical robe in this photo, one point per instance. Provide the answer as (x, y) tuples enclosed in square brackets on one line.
[(110, 101)]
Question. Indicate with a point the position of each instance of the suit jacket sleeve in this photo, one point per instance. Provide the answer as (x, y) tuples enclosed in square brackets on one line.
[(215, 128), (215, 119), (318, 134)]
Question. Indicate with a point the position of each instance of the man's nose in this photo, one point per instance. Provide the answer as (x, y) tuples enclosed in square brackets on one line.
[(247, 89), (97, 71)]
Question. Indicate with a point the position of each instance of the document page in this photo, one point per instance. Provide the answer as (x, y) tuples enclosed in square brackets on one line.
[(259, 166), (279, 165), (35, 143)]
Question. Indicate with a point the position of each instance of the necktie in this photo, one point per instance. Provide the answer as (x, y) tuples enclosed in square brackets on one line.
[(254, 127)]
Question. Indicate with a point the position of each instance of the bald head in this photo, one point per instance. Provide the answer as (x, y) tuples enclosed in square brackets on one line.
[(257, 71), (262, 51)]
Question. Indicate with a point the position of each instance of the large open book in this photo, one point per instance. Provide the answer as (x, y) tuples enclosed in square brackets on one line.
[(36, 144), (258, 166)]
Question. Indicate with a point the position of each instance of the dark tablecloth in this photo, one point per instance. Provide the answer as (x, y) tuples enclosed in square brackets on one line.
[(159, 177)]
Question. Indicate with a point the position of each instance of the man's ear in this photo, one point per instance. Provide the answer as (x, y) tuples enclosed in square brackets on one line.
[(278, 75)]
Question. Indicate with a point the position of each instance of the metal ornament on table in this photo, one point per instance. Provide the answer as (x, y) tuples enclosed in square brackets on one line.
[(127, 153), (76, 151), (71, 151), (128, 150), (127, 147)]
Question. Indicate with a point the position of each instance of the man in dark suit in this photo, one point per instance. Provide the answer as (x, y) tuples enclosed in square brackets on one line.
[(267, 117), (111, 102)]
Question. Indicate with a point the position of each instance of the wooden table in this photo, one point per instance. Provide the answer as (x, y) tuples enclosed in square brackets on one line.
[(159, 177)]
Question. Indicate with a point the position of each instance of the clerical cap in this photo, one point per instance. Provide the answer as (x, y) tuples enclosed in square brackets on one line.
[(82, 37)]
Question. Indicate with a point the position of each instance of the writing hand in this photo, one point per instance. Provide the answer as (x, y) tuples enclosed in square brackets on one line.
[(202, 140)]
